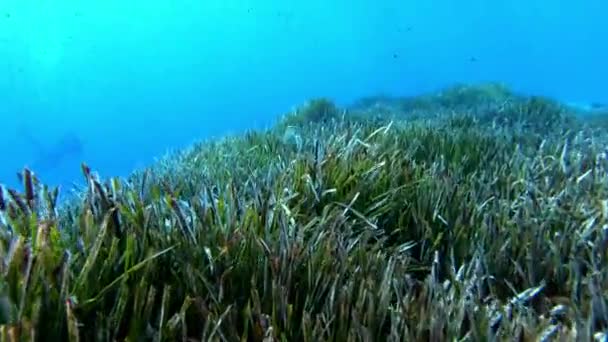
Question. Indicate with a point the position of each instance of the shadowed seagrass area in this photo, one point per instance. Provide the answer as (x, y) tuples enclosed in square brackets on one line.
[(472, 213)]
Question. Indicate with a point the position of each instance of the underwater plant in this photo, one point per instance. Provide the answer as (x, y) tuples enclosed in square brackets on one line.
[(317, 110), (453, 227)]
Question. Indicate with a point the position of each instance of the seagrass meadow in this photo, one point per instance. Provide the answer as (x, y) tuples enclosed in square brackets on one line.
[(469, 214)]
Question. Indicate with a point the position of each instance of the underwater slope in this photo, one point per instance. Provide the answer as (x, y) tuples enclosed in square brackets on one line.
[(471, 213)]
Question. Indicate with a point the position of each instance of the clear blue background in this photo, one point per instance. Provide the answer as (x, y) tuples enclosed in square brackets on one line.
[(135, 78)]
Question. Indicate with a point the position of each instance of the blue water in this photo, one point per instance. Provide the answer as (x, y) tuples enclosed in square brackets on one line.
[(118, 83)]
